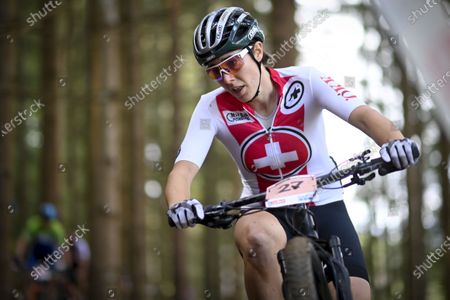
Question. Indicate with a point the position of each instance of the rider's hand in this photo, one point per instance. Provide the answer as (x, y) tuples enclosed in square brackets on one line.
[(183, 214), (399, 152)]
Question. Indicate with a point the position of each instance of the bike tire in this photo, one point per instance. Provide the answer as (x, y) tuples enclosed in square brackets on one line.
[(299, 281)]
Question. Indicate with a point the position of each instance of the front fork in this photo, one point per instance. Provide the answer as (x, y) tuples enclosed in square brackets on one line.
[(304, 220), (341, 276), (336, 250)]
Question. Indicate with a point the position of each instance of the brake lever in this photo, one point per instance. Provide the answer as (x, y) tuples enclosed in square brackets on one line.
[(367, 178), (356, 179), (363, 157)]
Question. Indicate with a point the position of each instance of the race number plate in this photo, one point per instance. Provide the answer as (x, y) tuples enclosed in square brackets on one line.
[(293, 190)]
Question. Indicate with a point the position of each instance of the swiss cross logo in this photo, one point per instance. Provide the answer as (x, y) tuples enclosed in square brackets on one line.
[(275, 159), (339, 89), (284, 154)]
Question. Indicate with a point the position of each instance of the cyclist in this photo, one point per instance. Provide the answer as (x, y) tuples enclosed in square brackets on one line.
[(38, 241), (271, 122)]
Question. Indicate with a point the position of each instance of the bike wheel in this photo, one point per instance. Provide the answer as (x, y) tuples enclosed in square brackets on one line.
[(299, 261)]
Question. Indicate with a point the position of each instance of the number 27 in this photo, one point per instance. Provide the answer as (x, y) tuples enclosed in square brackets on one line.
[(289, 186)]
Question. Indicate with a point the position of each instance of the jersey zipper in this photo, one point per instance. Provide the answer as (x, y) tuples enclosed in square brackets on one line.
[(269, 135), (275, 157)]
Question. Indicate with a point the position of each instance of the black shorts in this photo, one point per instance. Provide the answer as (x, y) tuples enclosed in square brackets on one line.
[(332, 219)]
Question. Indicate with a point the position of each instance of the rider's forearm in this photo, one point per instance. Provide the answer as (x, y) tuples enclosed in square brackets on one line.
[(177, 189), (375, 125), (179, 182)]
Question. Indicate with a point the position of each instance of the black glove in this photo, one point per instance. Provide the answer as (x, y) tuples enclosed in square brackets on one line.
[(185, 213), (399, 152)]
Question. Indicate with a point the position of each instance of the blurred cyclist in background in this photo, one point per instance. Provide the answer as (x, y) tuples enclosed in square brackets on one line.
[(39, 240)]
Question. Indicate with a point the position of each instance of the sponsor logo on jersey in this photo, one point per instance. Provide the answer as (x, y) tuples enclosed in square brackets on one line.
[(339, 89), (292, 96), (237, 117), (286, 154)]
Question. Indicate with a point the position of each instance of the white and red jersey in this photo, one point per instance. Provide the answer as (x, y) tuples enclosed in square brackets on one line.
[(294, 144)]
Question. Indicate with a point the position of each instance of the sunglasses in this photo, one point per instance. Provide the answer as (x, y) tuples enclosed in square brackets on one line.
[(231, 65)]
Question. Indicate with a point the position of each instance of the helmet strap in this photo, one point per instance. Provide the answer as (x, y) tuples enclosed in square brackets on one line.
[(260, 74)]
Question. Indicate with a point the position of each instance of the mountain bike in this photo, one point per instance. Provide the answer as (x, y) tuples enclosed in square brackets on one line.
[(303, 259)]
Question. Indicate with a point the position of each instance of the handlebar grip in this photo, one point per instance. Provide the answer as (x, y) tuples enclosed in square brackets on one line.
[(172, 224), (387, 168)]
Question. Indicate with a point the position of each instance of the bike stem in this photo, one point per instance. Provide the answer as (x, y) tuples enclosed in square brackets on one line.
[(308, 225)]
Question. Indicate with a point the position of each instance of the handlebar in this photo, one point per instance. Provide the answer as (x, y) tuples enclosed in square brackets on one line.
[(218, 216)]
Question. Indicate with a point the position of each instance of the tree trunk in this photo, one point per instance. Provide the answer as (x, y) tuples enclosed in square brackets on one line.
[(76, 115), (370, 245), (211, 239), (105, 123), (135, 145), (54, 45), (183, 291), (415, 288), (8, 82), (283, 27), (23, 196), (444, 149)]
